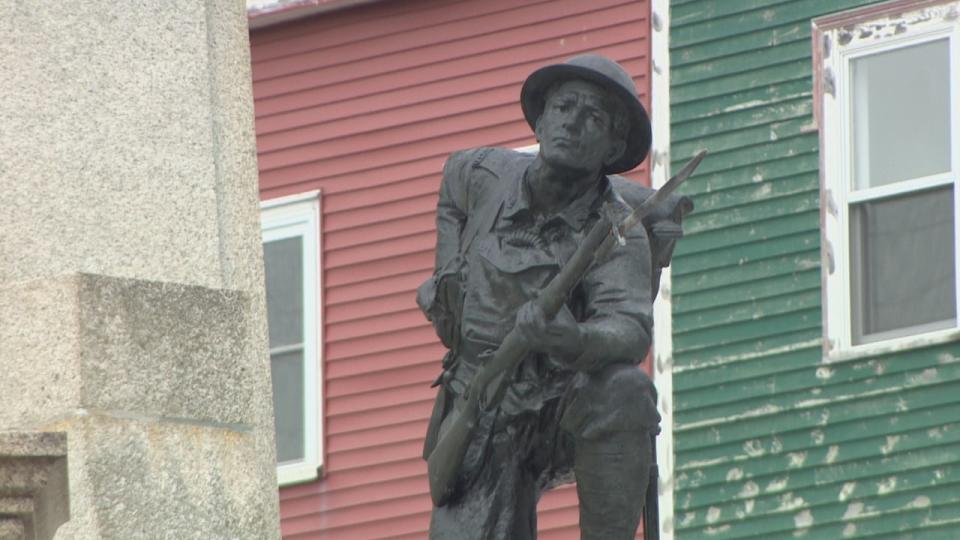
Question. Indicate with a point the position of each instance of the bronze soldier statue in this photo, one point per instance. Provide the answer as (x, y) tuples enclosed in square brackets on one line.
[(541, 384)]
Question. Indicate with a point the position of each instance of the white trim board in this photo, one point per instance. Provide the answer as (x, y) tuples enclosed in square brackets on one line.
[(662, 308)]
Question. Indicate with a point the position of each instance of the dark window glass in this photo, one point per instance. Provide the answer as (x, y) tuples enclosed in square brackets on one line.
[(287, 373), (283, 266), (902, 265)]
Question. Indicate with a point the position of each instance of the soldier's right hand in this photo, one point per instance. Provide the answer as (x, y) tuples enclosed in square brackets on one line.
[(559, 337)]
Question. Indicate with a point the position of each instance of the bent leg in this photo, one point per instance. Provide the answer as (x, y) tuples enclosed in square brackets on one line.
[(612, 476), (612, 418)]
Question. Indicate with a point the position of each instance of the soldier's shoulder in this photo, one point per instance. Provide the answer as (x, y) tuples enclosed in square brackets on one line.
[(494, 159)]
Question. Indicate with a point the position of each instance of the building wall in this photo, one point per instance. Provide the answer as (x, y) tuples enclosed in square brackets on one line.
[(770, 441), (365, 104)]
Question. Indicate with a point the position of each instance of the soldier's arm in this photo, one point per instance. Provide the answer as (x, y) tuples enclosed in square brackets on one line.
[(618, 320)]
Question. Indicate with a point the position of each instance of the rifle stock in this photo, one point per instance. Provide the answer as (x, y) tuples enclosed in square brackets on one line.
[(491, 381), (444, 463)]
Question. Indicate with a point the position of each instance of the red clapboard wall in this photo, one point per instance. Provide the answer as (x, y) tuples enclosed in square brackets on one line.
[(365, 104)]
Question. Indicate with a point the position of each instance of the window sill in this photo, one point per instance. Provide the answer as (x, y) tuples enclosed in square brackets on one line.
[(892, 346), (297, 473)]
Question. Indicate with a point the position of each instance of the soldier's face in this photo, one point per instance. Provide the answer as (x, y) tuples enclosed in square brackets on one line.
[(576, 128)]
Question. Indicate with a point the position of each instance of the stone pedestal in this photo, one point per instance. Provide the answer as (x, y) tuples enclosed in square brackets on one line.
[(160, 387), (33, 485), (131, 281)]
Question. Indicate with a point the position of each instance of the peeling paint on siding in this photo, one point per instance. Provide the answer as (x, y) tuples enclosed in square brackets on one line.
[(734, 474), (803, 520), (750, 489), (887, 485), (832, 454), (892, 441), (846, 491), (774, 437), (777, 484), (854, 509)]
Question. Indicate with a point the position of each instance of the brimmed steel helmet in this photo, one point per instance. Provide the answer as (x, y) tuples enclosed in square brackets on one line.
[(607, 74)]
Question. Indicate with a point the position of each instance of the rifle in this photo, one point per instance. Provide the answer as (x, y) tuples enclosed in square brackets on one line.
[(491, 381)]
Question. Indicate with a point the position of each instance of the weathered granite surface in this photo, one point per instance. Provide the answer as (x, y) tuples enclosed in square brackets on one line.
[(128, 141), (129, 347), (150, 478), (156, 384), (131, 279), (34, 498)]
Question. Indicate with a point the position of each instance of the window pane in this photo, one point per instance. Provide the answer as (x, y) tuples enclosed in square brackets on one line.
[(286, 370), (283, 266), (902, 264), (901, 114)]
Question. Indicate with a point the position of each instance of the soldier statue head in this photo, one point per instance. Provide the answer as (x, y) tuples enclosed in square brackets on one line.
[(554, 95)]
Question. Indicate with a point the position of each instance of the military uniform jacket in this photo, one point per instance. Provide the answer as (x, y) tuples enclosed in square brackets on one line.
[(493, 254)]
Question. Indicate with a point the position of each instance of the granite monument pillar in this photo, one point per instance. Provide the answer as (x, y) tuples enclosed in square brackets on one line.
[(131, 280)]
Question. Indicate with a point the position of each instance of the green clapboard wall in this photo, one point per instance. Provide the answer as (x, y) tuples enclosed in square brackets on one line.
[(770, 441)]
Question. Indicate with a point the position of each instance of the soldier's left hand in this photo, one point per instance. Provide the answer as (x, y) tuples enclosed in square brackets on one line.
[(559, 336)]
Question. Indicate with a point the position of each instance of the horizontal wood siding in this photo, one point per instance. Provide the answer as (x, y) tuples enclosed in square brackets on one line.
[(771, 441), (365, 104)]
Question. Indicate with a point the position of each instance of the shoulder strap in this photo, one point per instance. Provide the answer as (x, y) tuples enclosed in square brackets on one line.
[(484, 219)]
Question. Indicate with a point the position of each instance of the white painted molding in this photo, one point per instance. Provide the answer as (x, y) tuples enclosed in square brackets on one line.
[(891, 26), (289, 217), (662, 316)]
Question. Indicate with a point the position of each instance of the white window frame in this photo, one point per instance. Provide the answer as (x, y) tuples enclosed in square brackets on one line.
[(871, 30), (289, 217)]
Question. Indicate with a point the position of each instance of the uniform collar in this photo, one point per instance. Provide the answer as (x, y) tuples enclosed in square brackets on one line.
[(576, 214)]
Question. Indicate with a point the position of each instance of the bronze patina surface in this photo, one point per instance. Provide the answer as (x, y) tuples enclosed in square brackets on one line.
[(544, 299)]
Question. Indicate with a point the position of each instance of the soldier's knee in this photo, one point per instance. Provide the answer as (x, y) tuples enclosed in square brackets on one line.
[(627, 382), (617, 398), (629, 388)]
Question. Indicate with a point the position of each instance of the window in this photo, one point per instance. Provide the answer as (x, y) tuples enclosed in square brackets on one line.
[(888, 96), (291, 248)]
